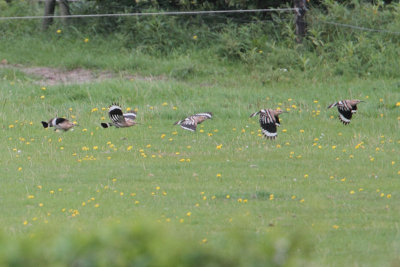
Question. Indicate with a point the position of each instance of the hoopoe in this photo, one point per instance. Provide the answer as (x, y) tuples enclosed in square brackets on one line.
[(268, 121), (59, 124), (190, 123), (346, 109), (118, 118)]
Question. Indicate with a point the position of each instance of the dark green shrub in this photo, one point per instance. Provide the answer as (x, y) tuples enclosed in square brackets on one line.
[(143, 244)]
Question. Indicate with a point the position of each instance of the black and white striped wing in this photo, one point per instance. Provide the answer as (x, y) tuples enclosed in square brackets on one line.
[(268, 125), (189, 124), (345, 113), (200, 117), (116, 115), (354, 109), (58, 121), (130, 116)]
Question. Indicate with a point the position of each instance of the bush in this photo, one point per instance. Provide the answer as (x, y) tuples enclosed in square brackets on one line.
[(143, 244), (266, 39)]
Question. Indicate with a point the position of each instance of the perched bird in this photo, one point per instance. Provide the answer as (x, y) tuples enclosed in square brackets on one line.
[(268, 121), (118, 118), (59, 123), (346, 109), (190, 123)]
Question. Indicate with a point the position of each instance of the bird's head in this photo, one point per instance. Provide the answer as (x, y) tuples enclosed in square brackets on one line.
[(355, 102), (280, 111)]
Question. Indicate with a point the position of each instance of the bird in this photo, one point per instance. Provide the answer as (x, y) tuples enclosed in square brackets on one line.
[(190, 123), (118, 118), (346, 109), (59, 124), (268, 121)]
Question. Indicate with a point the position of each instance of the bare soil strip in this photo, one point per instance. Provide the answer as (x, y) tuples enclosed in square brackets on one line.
[(48, 76)]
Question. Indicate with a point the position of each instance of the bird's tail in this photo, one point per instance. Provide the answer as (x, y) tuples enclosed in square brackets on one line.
[(106, 125), (254, 114), (45, 124), (178, 122), (332, 105)]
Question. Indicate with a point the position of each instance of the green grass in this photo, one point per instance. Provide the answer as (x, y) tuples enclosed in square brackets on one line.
[(336, 184)]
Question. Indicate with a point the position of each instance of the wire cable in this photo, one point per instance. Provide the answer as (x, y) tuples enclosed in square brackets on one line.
[(171, 13)]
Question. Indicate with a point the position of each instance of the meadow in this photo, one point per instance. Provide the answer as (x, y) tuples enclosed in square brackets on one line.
[(322, 192)]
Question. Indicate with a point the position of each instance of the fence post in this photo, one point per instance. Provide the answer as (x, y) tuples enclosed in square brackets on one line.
[(301, 25), (49, 7), (64, 9)]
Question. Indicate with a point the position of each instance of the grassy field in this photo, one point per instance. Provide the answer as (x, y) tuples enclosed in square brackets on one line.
[(337, 185)]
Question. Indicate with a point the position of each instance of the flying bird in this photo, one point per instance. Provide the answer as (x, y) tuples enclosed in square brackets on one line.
[(118, 118), (59, 124), (346, 109), (268, 121), (190, 123)]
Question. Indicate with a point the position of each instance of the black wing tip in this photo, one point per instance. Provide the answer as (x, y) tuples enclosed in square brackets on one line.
[(114, 104), (104, 125), (45, 124)]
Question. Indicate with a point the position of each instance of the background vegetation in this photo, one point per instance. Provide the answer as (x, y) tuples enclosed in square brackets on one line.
[(321, 194)]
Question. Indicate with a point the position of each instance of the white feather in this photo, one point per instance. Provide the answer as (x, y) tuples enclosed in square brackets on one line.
[(187, 128), (113, 107), (269, 134), (343, 118)]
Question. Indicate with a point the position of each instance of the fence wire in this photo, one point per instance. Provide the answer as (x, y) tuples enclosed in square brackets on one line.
[(172, 13), (209, 12)]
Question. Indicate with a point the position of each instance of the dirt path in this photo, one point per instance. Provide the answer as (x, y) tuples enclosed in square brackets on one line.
[(53, 76)]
